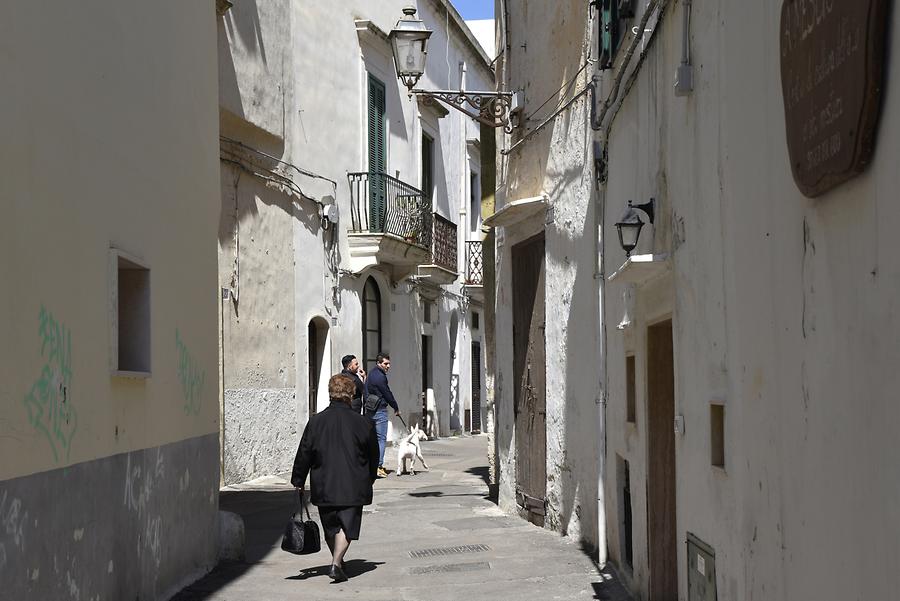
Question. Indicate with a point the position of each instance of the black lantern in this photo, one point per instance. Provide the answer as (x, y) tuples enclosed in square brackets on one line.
[(630, 225), (408, 40)]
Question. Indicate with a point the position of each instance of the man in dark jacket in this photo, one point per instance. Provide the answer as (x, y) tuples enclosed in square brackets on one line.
[(353, 371), (377, 384), (339, 451)]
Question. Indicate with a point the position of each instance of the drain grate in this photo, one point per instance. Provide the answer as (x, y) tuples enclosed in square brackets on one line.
[(440, 551), (438, 454), (451, 567)]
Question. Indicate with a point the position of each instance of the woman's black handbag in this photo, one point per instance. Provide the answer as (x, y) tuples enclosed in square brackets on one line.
[(301, 538)]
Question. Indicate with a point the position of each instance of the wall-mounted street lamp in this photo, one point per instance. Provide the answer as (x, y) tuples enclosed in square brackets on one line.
[(409, 40), (630, 224)]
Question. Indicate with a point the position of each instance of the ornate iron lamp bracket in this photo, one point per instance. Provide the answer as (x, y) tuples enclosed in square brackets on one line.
[(489, 108)]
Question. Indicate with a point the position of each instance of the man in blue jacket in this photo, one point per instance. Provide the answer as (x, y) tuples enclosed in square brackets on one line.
[(377, 384)]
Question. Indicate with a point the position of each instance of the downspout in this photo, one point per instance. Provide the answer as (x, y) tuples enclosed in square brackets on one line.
[(601, 163)]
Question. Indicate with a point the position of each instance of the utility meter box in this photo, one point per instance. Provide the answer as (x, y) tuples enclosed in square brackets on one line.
[(701, 567)]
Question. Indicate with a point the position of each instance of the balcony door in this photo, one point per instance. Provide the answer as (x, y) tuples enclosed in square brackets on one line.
[(377, 156)]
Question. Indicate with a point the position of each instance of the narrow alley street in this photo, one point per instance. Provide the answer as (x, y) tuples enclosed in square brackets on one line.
[(430, 537)]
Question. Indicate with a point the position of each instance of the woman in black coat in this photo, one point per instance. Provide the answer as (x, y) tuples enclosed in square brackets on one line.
[(339, 451)]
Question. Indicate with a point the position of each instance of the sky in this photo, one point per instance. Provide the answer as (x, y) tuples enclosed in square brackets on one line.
[(475, 9)]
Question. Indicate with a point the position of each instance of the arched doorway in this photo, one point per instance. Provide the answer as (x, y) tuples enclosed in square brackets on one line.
[(454, 412), (372, 338), (317, 357)]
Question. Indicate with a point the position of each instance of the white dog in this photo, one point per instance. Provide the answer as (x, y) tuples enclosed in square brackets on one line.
[(409, 449)]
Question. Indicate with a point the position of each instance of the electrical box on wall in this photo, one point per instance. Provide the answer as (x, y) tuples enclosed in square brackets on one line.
[(701, 570)]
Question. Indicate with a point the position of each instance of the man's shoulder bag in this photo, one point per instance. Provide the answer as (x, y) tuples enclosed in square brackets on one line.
[(372, 405)]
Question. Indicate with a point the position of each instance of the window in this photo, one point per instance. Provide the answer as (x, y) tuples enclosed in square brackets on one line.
[(130, 315), (476, 320), (428, 166), (630, 411), (474, 201), (371, 323), (426, 311), (615, 16), (717, 435), (377, 155)]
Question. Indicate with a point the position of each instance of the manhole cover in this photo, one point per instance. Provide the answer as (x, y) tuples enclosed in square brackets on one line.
[(439, 551), (451, 567)]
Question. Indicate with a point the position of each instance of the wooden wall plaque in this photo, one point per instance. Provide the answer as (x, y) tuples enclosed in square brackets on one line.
[(832, 63)]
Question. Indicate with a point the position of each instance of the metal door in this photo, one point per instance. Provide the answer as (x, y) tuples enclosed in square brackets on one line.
[(530, 376), (476, 387)]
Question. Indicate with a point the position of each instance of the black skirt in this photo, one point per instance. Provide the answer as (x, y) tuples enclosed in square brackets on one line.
[(348, 519)]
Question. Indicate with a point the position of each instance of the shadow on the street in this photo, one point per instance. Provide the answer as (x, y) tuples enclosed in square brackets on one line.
[(439, 494), (484, 472), (265, 513), (352, 567), (610, 588)]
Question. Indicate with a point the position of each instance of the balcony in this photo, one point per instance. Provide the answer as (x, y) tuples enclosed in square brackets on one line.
[(391, 224), (442, 269), (475, 269)]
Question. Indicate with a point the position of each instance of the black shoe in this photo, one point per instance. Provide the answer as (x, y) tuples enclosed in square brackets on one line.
[(337, 574)]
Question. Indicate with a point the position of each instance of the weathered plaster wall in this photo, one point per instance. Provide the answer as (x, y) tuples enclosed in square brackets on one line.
[(783, 310), (554, 163), (138, 525), (109, 140), (254, 43)]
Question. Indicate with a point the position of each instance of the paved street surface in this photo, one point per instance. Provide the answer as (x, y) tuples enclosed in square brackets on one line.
[(431, 537)]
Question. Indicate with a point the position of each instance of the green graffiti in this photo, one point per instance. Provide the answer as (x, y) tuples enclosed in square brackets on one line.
[(49, 402), (191, 376)]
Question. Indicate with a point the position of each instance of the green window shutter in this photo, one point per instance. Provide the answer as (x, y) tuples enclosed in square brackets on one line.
[(609, 32), (377, 155)]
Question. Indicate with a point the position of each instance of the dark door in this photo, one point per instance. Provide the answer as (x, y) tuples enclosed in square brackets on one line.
[(476, 387), (661, 463), (426, 383), (377, 156), (313, 354), (529, 372)]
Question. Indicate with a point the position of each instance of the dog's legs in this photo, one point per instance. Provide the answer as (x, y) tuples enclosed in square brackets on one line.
[(400, 464), (419, 455)]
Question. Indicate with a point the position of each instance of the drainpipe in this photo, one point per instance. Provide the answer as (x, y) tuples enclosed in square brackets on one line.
[(600, 278)]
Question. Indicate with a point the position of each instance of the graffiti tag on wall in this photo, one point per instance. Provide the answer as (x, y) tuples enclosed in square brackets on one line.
[(49, 402), (191, 375)]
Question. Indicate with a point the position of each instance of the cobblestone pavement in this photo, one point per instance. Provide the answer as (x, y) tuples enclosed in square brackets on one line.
[(434, 536)]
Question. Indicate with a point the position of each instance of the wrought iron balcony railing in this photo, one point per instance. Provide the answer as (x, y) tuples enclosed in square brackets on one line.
[(444, 251), (474, 263), (383, 204)]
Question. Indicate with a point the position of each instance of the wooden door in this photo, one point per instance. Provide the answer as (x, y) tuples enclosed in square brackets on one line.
[(661, 464), (530, 375)]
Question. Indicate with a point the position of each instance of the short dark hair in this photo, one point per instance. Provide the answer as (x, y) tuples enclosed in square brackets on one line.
[(382, 356), (341, 388), (346, 359)]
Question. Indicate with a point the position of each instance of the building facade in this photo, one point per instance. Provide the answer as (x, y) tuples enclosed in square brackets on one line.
[(730, 380), (350, 216), (546, 365), (109, 419)]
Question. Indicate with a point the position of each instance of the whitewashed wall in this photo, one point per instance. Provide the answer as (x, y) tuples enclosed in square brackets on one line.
[(783, 309), (556, 162), (299, 76)]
